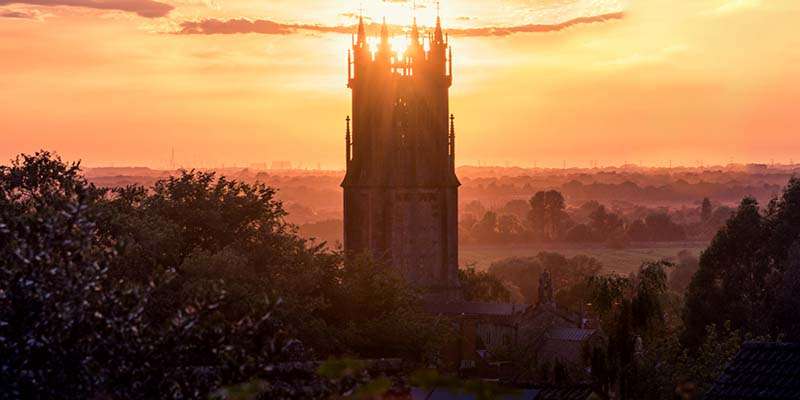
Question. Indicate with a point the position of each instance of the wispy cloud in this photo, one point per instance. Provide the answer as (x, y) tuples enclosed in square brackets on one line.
[(732, 6), (531, 28), (144, 8), (211, 26), (21, 14)]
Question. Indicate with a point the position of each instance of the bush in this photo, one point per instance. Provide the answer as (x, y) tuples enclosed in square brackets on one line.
[(172, 292)]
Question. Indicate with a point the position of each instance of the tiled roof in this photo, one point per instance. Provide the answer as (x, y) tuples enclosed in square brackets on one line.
[(768, 371), (475, 308), (570, 334)]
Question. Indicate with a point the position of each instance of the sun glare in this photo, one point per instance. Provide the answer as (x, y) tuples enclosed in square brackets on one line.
[(399, 44)]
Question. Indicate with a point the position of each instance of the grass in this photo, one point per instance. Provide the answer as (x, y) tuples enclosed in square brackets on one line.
[(621, 261)]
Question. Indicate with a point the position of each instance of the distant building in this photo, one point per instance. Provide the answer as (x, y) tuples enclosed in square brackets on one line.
[(761, 370), (544, 334), (482, 328), (553, 336), (400, 188)]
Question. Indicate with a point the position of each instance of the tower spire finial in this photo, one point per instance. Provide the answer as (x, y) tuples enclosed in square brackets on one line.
[(438, 31), (362, 34), (414, 28)]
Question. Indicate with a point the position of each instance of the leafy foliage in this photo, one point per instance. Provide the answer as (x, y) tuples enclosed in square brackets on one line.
[(522, 274), (746, 272), (482, 286), (632, 312), (71, 330), (172, 292)]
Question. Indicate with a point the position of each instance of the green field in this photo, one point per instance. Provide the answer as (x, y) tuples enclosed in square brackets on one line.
[(620, 261)]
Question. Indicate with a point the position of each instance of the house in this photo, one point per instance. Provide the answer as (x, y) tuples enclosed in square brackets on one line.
[(488, 332), (553, 336), (482, 328), (760, 370)]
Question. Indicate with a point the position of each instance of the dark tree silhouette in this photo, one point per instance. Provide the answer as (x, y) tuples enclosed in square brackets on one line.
[(547, 217), (706, 209), (745, 270)]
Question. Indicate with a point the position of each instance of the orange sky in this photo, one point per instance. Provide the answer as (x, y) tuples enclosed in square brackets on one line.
[(112, 81)]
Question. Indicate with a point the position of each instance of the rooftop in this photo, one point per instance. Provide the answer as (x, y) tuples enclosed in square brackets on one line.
[(761, 370)]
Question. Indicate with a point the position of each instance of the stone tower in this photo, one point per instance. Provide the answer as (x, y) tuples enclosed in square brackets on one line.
[(400, 189)]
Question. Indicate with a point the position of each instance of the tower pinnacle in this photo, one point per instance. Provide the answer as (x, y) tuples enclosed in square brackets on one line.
[(437, 36), (362, 34), (385, 48)]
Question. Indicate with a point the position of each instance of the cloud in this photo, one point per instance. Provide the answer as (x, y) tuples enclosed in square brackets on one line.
[(144, 8), (33, 14), (731, 6), (212, 26), (530, 28)]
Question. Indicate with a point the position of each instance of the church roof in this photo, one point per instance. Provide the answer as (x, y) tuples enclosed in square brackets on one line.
[(761, 370)]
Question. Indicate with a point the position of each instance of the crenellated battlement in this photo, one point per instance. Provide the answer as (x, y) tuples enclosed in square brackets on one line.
[(430, 57)]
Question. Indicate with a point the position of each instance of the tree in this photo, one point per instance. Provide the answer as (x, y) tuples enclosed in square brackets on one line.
[(517, 208), (657, 227), (632, 312), (485, 231), (547, 217), (605, 225), (509, 228), (661, 228), (475, 208), (706, 209), (173, 291), (522, 273), (681, 274), (729, 281), (580, 233), (70, 329), (637, 231), (482, 286), (742, 273)]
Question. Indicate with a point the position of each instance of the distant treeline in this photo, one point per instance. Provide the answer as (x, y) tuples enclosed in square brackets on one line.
[(545, 217), (314, 196)]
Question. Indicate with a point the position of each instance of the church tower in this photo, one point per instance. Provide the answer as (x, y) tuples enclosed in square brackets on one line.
[(400, 189)]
